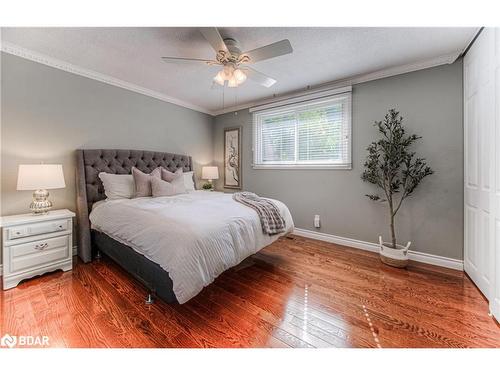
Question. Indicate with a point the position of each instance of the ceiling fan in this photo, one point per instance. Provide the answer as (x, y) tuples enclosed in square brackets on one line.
[(235, 63)]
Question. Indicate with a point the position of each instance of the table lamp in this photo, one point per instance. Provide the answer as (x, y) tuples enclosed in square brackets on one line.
[(40, 177), (209, 173)]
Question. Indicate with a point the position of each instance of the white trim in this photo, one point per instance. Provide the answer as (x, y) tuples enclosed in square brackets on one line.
[(294, 106), (436, 260), (449, 58), (494, 308), (302, 166), (75, 250), (299, 98), (75, 69)]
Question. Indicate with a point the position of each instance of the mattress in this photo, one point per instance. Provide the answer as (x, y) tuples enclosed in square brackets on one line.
[(194, 237)]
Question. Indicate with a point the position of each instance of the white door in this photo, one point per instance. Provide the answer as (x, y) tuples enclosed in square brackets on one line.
[(495, 293), (479, 136)]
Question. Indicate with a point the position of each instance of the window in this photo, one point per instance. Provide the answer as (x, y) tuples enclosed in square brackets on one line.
[(311, 134)]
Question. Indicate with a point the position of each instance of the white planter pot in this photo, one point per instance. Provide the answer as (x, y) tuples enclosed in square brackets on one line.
[(394, 257)]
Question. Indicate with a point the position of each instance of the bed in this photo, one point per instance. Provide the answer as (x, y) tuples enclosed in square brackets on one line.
[(173, 245)]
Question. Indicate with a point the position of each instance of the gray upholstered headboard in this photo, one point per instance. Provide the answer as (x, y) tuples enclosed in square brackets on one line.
[(89, 187)]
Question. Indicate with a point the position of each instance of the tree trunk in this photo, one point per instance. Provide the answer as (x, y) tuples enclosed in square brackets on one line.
[(393, 232)]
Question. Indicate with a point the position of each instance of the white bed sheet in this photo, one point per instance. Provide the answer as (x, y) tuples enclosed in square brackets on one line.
[(194, 237)]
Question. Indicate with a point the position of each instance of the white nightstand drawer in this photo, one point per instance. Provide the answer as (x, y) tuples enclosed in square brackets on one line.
[(38, 246), (38, 228), (38, 253)]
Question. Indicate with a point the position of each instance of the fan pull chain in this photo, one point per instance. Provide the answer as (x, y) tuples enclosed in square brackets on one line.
[(223, 99)]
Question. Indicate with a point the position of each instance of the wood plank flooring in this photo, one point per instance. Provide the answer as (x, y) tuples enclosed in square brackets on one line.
[(295, 293)]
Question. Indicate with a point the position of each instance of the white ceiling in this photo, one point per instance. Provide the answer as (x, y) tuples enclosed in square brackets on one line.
[(320, 55)]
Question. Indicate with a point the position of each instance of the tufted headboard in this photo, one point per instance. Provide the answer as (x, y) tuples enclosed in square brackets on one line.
[(89, 187)]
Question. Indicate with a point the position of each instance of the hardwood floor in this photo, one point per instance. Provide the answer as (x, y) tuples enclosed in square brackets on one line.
[(295, 293)]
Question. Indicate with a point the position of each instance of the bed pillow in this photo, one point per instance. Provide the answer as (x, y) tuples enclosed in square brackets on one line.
[(188, 177), (142, 181), (160, 188), (189, 181), (117, 186), (168, 176), (178, 183), (176, 179)]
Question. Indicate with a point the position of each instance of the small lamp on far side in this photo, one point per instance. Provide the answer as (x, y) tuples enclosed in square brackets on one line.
[(209, 173)]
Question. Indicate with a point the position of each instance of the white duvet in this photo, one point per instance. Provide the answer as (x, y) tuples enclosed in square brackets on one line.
[(194, 237)]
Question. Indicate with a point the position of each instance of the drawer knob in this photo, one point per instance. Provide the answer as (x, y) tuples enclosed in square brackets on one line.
[(41, 246)]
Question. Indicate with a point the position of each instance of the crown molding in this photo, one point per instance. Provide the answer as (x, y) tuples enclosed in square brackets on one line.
[(22, 52), (449, 58), (75, 69)]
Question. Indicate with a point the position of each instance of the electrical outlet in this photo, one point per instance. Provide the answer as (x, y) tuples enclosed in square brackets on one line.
[(317, 221)]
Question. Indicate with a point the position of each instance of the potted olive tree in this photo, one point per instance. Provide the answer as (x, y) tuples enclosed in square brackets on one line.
[(393, 167)]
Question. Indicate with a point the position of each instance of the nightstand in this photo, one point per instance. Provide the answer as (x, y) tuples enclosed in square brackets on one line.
[(35, 244)]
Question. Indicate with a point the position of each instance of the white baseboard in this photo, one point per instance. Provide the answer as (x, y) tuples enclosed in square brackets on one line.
[(436, 260), (495, 308)]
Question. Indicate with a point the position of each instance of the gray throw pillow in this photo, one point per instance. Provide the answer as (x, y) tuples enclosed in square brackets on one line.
[(142, 181)]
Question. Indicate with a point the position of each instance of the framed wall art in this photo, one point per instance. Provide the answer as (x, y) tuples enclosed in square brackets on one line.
[(232, 158)]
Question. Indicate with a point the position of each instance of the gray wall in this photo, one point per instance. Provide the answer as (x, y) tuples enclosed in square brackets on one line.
[(48, 113), (431, 102)]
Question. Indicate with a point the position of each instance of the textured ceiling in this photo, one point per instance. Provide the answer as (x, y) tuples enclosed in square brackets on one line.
[(320, 55)]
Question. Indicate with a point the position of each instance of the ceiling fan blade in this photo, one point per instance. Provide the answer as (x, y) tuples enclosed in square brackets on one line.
[(283, 47), (258, 77), (168, 59), (213, 37)]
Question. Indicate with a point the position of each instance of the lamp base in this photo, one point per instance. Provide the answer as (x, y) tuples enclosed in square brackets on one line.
[(40, 205), (208, 186)]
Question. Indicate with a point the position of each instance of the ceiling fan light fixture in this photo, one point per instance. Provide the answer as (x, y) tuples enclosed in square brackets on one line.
[(232, 75)]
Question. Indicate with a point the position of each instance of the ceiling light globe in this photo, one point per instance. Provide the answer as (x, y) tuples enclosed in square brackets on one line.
[(232, 82), (239, 76), (219, 78)]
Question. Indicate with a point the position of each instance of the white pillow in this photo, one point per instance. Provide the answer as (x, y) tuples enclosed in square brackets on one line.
[(178, 183), (118, 186), (189, 181)]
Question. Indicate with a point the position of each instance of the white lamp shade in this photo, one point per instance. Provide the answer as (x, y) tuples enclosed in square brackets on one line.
[(40, 176), (210, 173)]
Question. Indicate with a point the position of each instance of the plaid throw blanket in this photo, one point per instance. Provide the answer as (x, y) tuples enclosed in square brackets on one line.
[(270, 218)]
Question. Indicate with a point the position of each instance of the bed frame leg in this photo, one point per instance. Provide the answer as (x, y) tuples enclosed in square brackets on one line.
[(98, 255), (149, 299)]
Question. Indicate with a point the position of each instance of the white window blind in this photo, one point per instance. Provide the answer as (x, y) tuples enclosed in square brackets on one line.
[(311, 134)]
